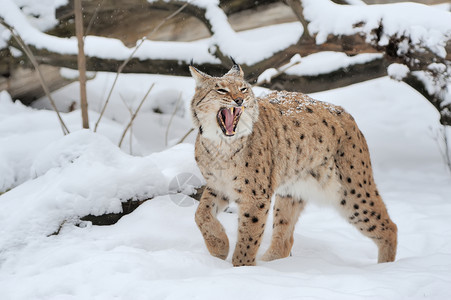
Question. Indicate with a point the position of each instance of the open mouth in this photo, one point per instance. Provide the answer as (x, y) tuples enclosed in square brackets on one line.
[(228, 119)]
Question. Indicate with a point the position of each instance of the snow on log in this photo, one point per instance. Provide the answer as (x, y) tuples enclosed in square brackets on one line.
[(414, 35), (421, 25)]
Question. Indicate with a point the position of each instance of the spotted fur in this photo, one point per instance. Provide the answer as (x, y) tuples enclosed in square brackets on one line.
[(288, 145)]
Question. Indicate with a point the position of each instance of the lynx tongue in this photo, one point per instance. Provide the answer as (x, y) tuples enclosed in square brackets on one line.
[(230, 118)]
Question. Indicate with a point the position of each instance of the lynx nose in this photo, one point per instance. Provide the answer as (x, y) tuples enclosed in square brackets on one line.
[(238, 100)]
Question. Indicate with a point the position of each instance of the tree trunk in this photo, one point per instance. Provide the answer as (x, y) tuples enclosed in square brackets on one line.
[(81, 60)]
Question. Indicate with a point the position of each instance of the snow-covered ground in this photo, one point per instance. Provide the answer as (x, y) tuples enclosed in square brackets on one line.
[(157, 252), (47, 181)]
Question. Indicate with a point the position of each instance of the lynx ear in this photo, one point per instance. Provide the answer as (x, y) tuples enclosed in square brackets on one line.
[(235, 70), (198, 76)]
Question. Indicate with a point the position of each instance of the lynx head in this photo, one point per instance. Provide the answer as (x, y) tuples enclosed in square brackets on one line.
[(223, 107)]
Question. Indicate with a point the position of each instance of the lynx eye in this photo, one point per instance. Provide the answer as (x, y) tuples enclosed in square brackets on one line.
[(222, 91), (243, 90)]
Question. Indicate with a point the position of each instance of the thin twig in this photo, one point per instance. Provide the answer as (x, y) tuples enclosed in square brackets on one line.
[(185, 136), (58, 230), (448, 158), (130, 140), (170, 120), (441, 138), (135, 114), (130, 110), (121, 67), (94, 15), (167, 19), (446, 151), (35, 64)]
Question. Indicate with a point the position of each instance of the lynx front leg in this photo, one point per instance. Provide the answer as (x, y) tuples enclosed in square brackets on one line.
[(286, 213), (251, 225), (213, 232)]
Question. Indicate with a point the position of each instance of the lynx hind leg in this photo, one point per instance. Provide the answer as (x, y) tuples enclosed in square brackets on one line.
[(363, 207), (212, 230), (286, 213), (360, 201)]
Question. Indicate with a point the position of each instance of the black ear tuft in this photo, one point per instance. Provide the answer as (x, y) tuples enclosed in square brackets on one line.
[(191, 63), (198, 76), (233, 61), (235, 70)]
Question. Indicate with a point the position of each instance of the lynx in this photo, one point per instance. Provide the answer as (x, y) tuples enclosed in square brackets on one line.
[(287, 145)]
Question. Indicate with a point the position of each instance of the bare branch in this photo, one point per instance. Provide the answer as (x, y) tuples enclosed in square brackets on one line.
[(185, 136), (170, 120), (33, 60), (130, 110), (135, 114), (94, 15), (121, 67), (298, 10)]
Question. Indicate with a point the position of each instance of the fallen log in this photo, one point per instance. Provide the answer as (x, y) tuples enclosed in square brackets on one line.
[(127, 207)]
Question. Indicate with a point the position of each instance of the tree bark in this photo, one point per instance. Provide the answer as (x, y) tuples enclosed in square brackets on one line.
[(21, 82), (336, 79)]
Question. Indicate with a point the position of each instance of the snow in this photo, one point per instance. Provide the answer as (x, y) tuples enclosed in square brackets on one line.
[(267, 75), (83, 173), (398, 71), (49, 181), (323, 62), (103, 47), (328, 61), (21, 127), (254, 45), (41, 13), (15, 52), (315, 64), (356, 2), (129, 91), (157, 251), (250, 46), (436, 85), (425, 26)]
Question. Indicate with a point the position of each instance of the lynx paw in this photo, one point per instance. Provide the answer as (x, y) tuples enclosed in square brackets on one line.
[(218, 247), (272, 255)]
